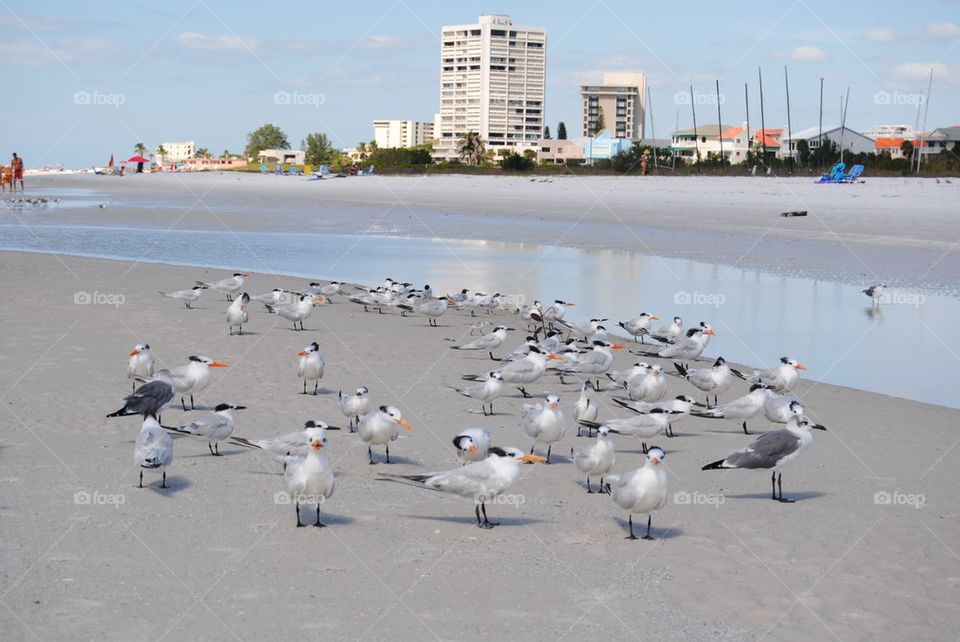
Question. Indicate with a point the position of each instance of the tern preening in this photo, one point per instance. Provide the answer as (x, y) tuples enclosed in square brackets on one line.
[(153, 449), (774, 449), (481, 481), (142, 365), (643, 490), (310, 367), (150, 399), (380, 427), (214, 428), (187, 296), (193, 377), (485, 392), (297, 311), (229, 286), (598, 459), (237, 313), (354, 406), (309, 478)]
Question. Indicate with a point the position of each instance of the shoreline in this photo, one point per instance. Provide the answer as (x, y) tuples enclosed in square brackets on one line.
[(738, 227)]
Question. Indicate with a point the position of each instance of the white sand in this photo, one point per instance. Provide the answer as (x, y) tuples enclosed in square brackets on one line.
[(215, 558), (903, 231)]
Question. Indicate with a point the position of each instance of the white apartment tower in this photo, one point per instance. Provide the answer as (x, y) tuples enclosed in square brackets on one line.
[(401, 133), (621, 97), (493, 82)]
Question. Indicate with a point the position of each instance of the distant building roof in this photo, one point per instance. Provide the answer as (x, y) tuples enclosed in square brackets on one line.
[(895, 143), (704, 130), (813, 132)]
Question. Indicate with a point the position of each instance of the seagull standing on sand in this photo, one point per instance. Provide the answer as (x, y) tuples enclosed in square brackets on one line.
[(193, 377), (309, 478), (643, 490), (237, 313), (544, 423), (354, 406), (639, 326), (598, 459), (876, 292), (142, 365), (472, 444), (380, 427), (187, 296), (215, 427), (481, 481), (774, 449), (310, 366), (229, 285), (153, 449), (485, 392), (297, 311), (150, 399)]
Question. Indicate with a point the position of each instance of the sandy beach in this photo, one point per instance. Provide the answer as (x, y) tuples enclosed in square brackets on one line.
[(902, 231), (868, 551)]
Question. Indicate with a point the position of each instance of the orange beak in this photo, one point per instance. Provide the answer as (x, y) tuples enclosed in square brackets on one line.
[(472, 448), (533, 459), (319, 298), (571, 305), (302, 353), (406, 424), (654, 317), (553, 405), (554, 357), (656, 373), (654, 461), (800, 366), (133, 352), (217, 364), (710, 332), (617, 346), (316, 445), (246, 274)]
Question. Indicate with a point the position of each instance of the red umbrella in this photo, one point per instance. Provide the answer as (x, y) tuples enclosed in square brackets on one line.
[(138, 159)]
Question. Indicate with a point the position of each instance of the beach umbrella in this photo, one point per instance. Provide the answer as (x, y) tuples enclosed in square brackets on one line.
[(137, 159)]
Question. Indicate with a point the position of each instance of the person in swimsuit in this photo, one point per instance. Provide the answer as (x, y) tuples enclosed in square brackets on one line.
[(17, 165)]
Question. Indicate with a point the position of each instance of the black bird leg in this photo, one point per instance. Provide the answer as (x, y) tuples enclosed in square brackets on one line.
[(780, 488), (649, 520), (141, 478), (318, 523), (524, 392), (183, 403), (316, 387), (370, 454), (192, 406), (590, 490), (387, 446), (548, 453), (296, 506), (486, 522), (745, 428), (163, 484), (630, 521)]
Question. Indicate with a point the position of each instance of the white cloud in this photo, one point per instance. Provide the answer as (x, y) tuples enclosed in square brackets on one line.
[(920, 70), (222, 42), (943, 29), (883, 36), (379, 42), (64, 51), (807, 54)]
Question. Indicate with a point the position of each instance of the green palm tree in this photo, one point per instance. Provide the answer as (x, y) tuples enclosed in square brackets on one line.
[(362, 150), (472, 148), (140, 149)]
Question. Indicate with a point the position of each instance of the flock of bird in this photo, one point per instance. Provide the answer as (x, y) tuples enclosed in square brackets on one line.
[(554, 346)]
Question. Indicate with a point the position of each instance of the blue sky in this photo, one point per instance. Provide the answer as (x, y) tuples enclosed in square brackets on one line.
[(84, 80)]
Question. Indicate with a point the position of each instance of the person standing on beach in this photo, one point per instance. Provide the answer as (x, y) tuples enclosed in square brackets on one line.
[(17, 165), (6, 176)]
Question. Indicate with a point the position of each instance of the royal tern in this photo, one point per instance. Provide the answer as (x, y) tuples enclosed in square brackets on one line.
[(150, 399), (488, 342), (585, 408), (354, 406), (642, 426), (740, 409), (481, 481), (544, 423), (228, 286), (593, 362), (781, 378), (459, 298), (310, 367), (556, 311), (187, 296), (522, 350), (678, 406), (781, 408), (714, 380), (581, 329), (297, 311), (287, 444), (639, 326), (278, 296), (598, 459), (193, 377), (485, 392), (651, 386), (142, 365), (689, 347), (643, 490), (525, 370), (430, 307), (472, 444), (773, 449), (667, 333), (237, 313), (624, 377), (876, 292), (327, 290), (215, 427), (153, 449), (309, 478), (381, 426)]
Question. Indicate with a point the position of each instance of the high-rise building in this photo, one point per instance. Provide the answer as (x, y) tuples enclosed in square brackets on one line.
[(621, 98), (401, 133), (492, 82), (176, 152)]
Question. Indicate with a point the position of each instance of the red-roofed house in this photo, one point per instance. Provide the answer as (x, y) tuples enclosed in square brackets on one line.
[(892, 146), (705, 142)]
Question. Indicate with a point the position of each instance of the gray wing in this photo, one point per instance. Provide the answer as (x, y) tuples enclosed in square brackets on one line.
[(765, 452), (149, 397)]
